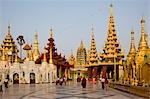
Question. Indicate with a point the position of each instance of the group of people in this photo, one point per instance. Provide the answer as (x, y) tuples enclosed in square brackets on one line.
[(82, 80), (61, 81), (104, 82)]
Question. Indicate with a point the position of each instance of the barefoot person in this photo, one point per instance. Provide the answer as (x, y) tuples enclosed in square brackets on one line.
[(103, 83), (106, 84), (83, 83), (1, 86)]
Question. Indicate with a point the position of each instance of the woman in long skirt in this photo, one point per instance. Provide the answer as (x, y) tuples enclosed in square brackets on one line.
[(83, 83)]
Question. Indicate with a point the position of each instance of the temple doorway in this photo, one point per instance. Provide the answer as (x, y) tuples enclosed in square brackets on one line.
[(16, 78), (32, 78)]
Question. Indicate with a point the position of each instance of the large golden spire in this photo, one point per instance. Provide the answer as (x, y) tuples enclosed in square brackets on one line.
[(112, 46), (36, 52), (93, 58), (143, 44), (132, 46)]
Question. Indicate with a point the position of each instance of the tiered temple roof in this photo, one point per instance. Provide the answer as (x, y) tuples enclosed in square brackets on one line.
[(93, 57), (57, 59), (9, 46), (112, 47)]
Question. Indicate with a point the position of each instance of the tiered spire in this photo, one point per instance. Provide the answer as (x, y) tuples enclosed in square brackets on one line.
[(9, 46), (36, 52), (93, 58), (132, 46), (143, 44), (81, 55), (81, 45), (112, 45)]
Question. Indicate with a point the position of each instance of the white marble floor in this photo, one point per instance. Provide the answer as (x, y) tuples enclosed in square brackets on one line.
[(72, 90)]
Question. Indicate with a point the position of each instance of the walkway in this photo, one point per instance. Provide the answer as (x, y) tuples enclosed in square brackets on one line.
[(72, 90)]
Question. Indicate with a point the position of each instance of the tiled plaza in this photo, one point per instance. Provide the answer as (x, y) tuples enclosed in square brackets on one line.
[(72, 90)]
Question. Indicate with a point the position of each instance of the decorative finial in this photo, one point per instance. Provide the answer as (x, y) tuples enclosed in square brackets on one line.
[(111, 7), (81, 44), (36, 37), (132, 31), (51, 33), (143, 21), (36, 33), (9, 28), (92, 33), (92, 28)]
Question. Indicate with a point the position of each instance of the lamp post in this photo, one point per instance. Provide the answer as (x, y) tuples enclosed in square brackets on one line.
[(21, 41)]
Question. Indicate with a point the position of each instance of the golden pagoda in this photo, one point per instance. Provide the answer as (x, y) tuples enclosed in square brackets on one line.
[(36, 52), (92, 59), (129, 70), (81, 55), (9, 47), (111, 57), (79, 69), (142, 56)]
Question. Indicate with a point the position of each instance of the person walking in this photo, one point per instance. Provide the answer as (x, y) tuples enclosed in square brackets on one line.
[(106, 84), (65, 80), (83, 83), (57, 81), (61, 81), (103, 83), (1, 86), (6, 83)]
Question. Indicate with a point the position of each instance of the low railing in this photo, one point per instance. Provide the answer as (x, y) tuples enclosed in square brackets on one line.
[(137, 90)]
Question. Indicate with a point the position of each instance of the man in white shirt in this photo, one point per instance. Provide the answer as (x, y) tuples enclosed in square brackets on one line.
[(103, 82)]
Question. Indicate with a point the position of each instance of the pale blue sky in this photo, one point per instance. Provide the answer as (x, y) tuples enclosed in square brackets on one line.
[(72, 21)]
